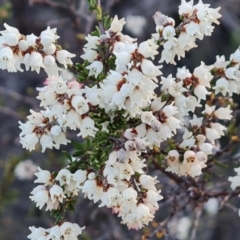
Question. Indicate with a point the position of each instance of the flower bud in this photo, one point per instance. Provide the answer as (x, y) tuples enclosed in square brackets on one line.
[(23, 45), (50, 49), (49, 61), (56, 130)]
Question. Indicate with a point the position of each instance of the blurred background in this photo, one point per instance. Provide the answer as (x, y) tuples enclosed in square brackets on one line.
[(18, 95)]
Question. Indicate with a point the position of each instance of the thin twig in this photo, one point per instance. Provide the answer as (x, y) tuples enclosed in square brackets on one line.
[(99, 18), (17, 96), (11, 113), (196, 222)]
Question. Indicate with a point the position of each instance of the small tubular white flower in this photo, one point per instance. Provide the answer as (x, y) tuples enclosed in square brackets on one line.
[(155, 125), (64, 57), (168, 32), (202, 157), (7, 59), (235, 57), (49, 61), (40, 196), (122, 155), (173, 161), (212, 134), (87, 128), (80, 176), (209, 109), (95, 68), (56, 194), (23, 45), (222, 85), (185, 8), (219, 128), (206, 148), (224, 113), (117, 24), (31, 39), (43, 176), (64, 177), (11, 39), (200, 91), (148, 182), (232, 73), (149, 69), (160, 19), (56, 130), (147, 117), (35, 61), (36, 233), (91, 175), (80, 104), (29, 141), (130, 133), (50, 49), (46, 142)]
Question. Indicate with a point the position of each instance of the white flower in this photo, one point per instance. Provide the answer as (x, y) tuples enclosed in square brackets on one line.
[(80, 104), (64, 177), (29, 141), (149, 69), (25, 170), (36, 233), (87, 128), (31, 39), (148, 182), (147, 117), (23, 45), (7, 59), (56, 193), (49, 61), (168, 32), (232, 73), (200, 91), (224, 113), (95, 68), (56, 130), (117, 25), (160, 19), (185, 8), (209, 109), (64, 57), (43, 176), (89, 55), (46, 142), (80, 176), (40, 196), (235, 57), (173, 161), (222, 85)]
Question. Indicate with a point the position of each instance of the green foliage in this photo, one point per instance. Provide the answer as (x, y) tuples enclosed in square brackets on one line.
[(82, 72)]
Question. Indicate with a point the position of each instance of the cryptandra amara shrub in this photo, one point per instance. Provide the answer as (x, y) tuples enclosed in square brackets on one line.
[(126, 126)]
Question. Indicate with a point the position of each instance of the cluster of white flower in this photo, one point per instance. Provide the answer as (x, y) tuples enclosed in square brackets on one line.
[(196, 22), (124, 82), (54, 190), (65, 107), (65, 231), (131, 85), (123, 186), (32, 51), (228, 73)]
